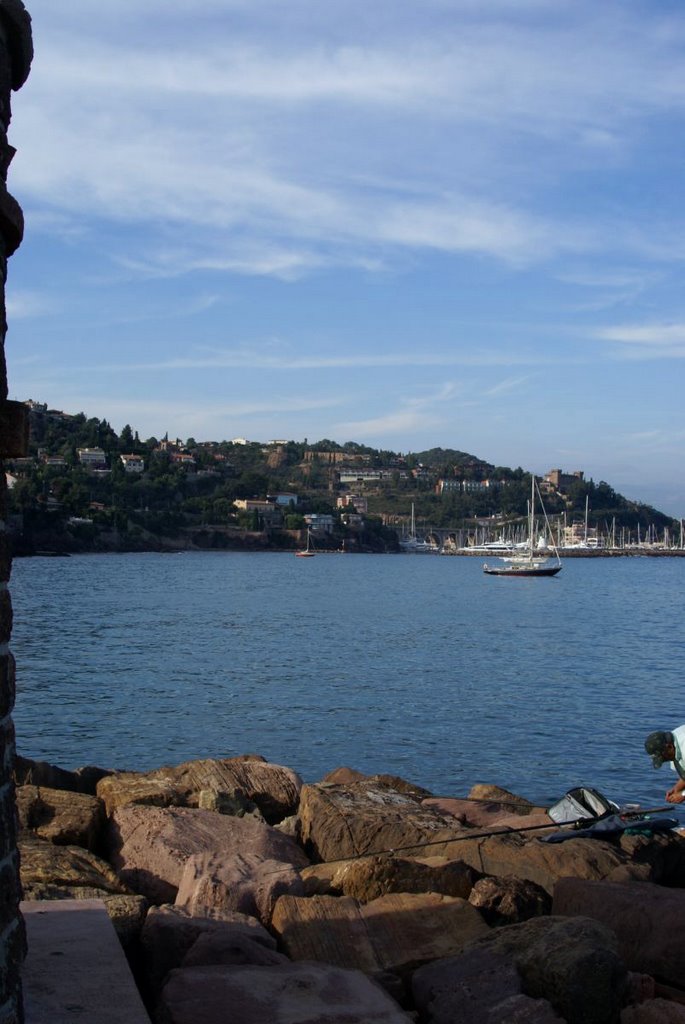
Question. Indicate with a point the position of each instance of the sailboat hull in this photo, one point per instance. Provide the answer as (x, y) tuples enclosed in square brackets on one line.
[(520, 570)]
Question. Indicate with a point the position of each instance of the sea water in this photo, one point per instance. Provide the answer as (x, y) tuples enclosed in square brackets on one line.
[(415, 665)]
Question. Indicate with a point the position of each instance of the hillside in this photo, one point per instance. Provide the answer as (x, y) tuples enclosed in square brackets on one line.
[(86, 487)]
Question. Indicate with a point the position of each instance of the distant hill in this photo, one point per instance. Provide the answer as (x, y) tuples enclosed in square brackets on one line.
[(176, 486)]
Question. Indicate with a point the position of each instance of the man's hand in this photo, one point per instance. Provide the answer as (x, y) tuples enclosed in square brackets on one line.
[(675, 796)]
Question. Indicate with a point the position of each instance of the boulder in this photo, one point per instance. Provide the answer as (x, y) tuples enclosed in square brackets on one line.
[(477, 985), (660, 857), (509, 900), (149, 846), (370, 877), (229, 946), (654, 1011), (286, 994), (40, 773), (50, 872), (490, 814), (49, 868), (489, 793), (393, 933), (169, 934), (213, 883), (239, 785), (571, 962), (346, 776), (65, 818), (524, 856), (648, 921), (361, 818)]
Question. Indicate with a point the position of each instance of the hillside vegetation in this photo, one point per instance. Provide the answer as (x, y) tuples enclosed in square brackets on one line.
[(185, 494)]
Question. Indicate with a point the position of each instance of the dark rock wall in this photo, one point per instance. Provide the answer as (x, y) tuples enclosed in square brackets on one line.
[(16, 51)]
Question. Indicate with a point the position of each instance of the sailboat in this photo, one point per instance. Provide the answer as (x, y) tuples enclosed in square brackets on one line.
[(411, 543), (306, 552), (530, 559)]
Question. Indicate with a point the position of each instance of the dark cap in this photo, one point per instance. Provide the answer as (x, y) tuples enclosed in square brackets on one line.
[(656, 744)]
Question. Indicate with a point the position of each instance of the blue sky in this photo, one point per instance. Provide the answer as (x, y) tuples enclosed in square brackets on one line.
[(408, 224)]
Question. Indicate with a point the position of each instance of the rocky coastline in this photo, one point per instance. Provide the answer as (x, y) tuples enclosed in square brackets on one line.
[(240, 893)]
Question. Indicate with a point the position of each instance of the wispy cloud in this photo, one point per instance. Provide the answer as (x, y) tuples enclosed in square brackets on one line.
[(647, 341)]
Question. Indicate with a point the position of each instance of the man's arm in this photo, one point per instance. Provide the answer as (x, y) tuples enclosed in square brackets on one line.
[(675, 794)]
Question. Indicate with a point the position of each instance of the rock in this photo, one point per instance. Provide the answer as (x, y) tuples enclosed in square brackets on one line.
[(476, 986), (462, 989), (287, 994), (237, 782), (360, 818), (46, 867), (213, 883), (230, 947), (65, 818), (486, 791), (655, 1011), (523, 1010), (484, 814), (317, 878), (343, 776), (393, 933), (524, 856), (50, 872), (40, 773), (571, 962), (169, 934), (647, 920), (509, 900), (658, 857), (149, 846), (346, 776), (370, 877), (234, 803)]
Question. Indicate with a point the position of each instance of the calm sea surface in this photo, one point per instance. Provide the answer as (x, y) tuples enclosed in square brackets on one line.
[(420, 666)]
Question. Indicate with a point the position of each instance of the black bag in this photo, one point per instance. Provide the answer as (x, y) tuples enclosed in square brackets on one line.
[(581, 803)]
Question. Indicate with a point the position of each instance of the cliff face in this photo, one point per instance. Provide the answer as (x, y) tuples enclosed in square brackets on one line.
[(16, 51)]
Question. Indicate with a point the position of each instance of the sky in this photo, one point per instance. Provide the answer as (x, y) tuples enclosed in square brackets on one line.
[(406, 223)]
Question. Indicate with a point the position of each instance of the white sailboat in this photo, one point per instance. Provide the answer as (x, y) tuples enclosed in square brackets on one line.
[(411, 543), (306, 552), (530, 559)]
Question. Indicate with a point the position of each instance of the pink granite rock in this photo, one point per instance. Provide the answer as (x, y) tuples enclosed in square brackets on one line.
[(238, 783), (524, 856), (65, 818), (229, 946), (169, 934), (509, 900), (394, 933), (149, 846), (364, 817), (214, 883), (370, 877), (654, 1011), (289, 994), (571, 962), (490, 814), (648, 921), (476, 986)]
